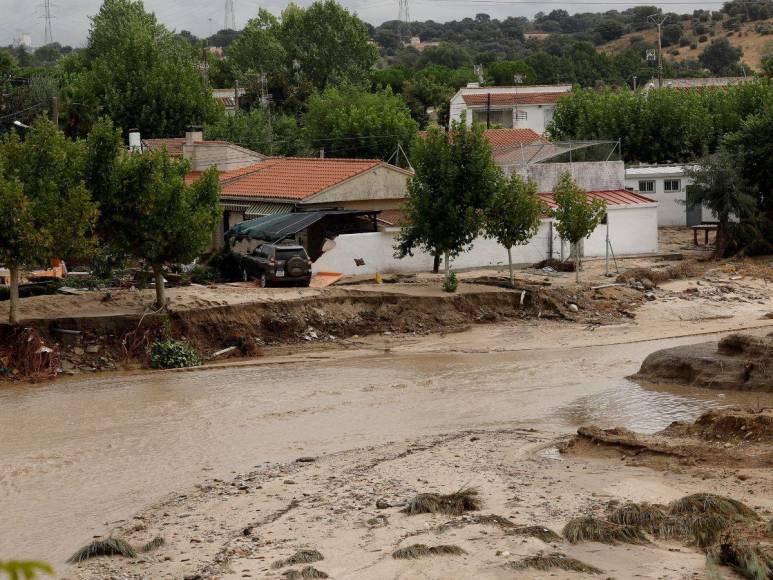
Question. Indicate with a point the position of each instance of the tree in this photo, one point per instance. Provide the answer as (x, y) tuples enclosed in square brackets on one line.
[(258, 49), (718, 185), (513, 215), (671, 34), (329, 44), (576, 215), (154, 215), (720, 57), (446, 54), (350, 122), (45, 209), (503, 72), (454, 181), (141, 75), (260, 131)]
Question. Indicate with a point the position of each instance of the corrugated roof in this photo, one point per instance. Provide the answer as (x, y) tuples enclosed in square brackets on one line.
[(293, 178), (611, 196), (174, 146), (514, 98), (652, 170)]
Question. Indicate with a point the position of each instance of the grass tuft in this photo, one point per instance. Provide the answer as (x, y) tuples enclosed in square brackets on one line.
[(300, 557), (453, 504), (492, 520), (637, 514), (551, 561), (153, 544), (105, 547), (540, 532), (749, 561), (307, 572), (709, 503), (592, 529), (417, 551)]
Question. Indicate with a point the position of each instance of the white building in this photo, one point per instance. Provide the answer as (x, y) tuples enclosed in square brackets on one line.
[(668, 185), (525, 107)]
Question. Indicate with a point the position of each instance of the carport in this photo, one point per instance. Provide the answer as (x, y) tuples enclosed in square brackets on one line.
[(309, 229)]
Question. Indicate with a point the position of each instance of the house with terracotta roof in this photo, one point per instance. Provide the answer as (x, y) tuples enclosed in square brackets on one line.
[(203, 154), (287, 184), (527, 106)]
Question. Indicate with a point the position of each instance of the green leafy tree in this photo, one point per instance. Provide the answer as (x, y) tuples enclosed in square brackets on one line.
[(446, 54), (503, 72), (260, 131), (140, 74), (454, 181), (154, 215), (350, 122), (576, 215), (45, 209), (512, 217), (258, 49), (721, 57), (718, 185), (24, 570)]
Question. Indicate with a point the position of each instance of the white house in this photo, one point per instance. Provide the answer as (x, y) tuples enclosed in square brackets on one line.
[(526, 107), (668, 185)]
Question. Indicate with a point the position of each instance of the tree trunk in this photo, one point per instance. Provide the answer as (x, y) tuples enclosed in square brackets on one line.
[(510, 264), (577, 262), (436, 264), (721, 242), (13, 313), (447, 263), (160, 290)]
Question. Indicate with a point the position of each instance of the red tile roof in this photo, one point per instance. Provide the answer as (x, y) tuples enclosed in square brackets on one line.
[(514, 98), (291, 177), (505, 138), (611, 196), (173, 146)]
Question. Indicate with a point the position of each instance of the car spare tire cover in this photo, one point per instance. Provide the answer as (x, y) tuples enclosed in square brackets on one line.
[(296, 266)]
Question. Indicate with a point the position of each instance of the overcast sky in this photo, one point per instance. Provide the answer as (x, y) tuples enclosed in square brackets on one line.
[(70, 24)]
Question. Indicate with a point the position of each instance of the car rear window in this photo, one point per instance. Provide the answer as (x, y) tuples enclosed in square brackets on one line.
[(287, 254)]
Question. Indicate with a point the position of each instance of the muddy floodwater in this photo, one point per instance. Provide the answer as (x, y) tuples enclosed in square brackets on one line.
[(81, 454)]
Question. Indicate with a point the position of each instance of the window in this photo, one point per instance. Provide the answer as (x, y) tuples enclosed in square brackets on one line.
[(521, 115), (499, 118), (671, 185), (646, 186)]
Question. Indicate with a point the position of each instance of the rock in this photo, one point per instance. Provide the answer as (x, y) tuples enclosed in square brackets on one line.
[(78, 350), (647, 283), (93, 348), (305, 459), (383, 504), (649, 296), (574, 308)]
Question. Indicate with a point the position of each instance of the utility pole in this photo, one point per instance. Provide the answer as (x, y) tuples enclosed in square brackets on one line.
[(49, 33), (659, 20)]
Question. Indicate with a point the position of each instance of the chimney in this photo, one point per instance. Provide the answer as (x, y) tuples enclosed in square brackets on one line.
[(193, 134), (135, 140)]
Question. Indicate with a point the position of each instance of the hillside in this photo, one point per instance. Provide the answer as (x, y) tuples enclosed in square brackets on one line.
[(747, 38)]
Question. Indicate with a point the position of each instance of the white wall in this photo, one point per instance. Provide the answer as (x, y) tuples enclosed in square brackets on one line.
[(672, 206), (632, 230)]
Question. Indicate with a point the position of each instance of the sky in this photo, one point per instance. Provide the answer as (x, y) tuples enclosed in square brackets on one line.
[(71, 17)]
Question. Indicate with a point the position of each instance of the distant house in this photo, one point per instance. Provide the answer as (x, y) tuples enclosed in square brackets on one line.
[(205, 154), (281, 185), (525, 107), (698, 83), (668, 185), (228, 98)]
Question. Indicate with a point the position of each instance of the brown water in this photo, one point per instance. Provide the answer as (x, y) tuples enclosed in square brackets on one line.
[(78, 455)]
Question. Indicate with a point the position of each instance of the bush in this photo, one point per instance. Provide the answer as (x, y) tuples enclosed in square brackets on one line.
[(764, 28), (450, 283), (673, 51), (703, 38), (202, 275), (693, 45), (684, 41), (173, 354), (228, 264)]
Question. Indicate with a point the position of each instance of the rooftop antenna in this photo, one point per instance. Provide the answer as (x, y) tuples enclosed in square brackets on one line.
[(48, 36), (230, 16)]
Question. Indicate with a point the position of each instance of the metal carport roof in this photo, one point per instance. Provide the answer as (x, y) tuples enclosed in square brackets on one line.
[(275, 228)]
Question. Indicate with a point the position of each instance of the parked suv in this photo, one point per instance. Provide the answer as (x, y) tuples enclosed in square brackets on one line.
[(277, 263)]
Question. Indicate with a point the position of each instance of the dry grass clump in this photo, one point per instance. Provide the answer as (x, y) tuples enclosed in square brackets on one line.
[(749, 561), (106, 547), (307, 572), (453, 504), (300, 557), (153, 544), (702, 529), (378, 521), (551, 561), (492, 520), (709, 503), (540, 532), (417, 551), (637, 514), (592, 529)]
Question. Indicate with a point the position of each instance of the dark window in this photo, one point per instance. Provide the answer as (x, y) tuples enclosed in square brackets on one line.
[(647, 186), (672, 185)]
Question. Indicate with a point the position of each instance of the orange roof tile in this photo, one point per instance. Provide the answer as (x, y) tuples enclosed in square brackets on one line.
[(611, 196), (514, 98), (291, 177), (174, 146), (505, 138)]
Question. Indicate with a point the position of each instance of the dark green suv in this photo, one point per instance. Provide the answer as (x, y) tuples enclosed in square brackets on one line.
[(277, 264)]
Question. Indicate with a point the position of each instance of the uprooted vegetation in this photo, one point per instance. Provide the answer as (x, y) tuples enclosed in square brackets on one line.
[(452, 504), (103, 547), (302, 574), (640, 276), (750, 561), (553, 561), (300, 557), (540, 532), (416, 551), (592, 529)]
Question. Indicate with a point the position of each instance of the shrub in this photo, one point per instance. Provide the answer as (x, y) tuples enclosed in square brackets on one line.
[(228, 264), (703, 38), (674, 52), (173, 354), (693, 45), (450, 283), (684, 41), (202, 275)]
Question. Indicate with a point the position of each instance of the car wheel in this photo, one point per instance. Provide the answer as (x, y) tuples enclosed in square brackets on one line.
[(263, 280)]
